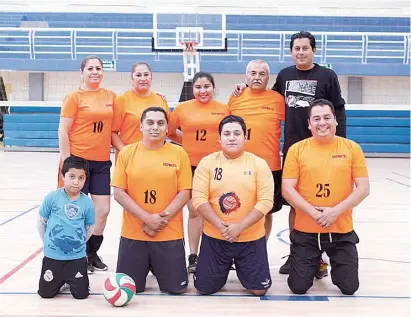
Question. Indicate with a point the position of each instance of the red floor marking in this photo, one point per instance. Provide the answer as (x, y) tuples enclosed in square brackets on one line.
[(21, 265)]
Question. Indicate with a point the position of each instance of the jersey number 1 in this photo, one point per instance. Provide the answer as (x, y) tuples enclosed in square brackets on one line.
[(248, 134)]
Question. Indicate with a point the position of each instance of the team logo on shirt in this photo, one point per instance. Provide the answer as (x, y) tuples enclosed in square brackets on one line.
[(229, 203), (108, 104), (169, 164), (339, 156), (267, 108), (71, 211)]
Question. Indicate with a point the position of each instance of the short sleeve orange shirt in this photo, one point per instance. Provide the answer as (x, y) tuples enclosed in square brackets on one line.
[(233, 188), (199, 124), (152, 178), (128, 109), (262, 113), (325, 176), (92, 114)]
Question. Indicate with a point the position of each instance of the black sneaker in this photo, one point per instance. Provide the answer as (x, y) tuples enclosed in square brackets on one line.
[(322, 270), (98, 264), (90, 267), (286, 267), (192, 263)]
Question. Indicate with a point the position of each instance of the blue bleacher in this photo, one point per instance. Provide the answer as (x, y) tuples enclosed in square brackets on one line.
[(10, 19), (79, 20), (318, 23), (347, 57), (377, 131), (234, 22)]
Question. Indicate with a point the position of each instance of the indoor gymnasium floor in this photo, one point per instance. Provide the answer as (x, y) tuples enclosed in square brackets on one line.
[(382, 222)]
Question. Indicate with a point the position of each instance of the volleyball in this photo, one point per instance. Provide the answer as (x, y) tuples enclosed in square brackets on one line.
[(119, 289)]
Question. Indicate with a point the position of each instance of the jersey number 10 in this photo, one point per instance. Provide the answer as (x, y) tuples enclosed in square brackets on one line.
[(98, 127)]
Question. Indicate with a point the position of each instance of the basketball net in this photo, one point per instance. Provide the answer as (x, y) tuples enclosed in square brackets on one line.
[(191, 59), (189, 48)]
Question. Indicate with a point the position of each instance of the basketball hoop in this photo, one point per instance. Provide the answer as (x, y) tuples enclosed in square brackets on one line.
[(190, 59), (189, 48)]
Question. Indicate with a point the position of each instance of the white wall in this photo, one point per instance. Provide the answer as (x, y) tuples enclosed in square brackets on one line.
[(376, 90), (386, 90), (57, 84), (19, 84)]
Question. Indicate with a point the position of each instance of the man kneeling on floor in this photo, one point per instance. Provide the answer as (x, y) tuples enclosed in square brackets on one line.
[(233, 191), (324, 178)]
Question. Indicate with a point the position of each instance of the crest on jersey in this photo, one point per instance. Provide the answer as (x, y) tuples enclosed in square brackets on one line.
[(229, 203), (71, 211)]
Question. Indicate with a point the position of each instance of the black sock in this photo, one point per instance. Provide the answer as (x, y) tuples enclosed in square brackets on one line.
[(93, 245)]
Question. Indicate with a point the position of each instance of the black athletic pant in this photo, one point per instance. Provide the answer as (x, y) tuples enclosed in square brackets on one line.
[(306, 251), (54, 273)]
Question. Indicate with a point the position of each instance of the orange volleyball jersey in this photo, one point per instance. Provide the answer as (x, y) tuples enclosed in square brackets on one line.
[(128, 109), (325, 176), (199, 124), (233, 188), (92, 113), (262, 113), (152, 178)]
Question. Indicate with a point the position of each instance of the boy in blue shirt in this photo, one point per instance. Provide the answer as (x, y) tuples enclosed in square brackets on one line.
[(66, 222)]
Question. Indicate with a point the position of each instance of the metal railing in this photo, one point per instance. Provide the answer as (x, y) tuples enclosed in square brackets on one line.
[(61, 43)]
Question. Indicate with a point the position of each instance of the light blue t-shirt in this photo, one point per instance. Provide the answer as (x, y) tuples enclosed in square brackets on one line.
[(65, 236)]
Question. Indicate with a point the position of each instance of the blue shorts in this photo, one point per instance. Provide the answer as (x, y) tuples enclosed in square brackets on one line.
[(215, 260), (165, 258), (98, 178)]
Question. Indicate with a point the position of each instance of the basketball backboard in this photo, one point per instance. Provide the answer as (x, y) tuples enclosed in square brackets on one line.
[(171, 30)]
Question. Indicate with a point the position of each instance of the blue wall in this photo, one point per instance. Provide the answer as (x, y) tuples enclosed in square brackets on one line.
[(377, 131)]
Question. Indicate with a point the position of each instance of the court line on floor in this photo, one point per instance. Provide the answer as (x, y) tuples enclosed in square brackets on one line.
[(19, 266), (401, 175), (279, 238), (19, 215), (383, 222), (397, 182), (30, 258), (10, 211), (311, 298)]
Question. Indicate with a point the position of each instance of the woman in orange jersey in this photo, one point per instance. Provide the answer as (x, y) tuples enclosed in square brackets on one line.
[(198, 120), (85, 131), (130, 105)]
